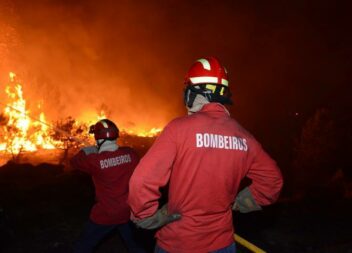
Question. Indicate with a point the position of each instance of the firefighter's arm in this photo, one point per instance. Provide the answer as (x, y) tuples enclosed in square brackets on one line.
[(152, 172), (90, 150), (266, 183), (80, 161)]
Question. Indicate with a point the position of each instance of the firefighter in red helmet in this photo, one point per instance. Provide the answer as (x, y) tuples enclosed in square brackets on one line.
[(203, 157), (111, 167), (207, 78)]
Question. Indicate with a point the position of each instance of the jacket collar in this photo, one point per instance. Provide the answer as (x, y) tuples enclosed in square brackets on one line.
[(214, 107), (108, 146)]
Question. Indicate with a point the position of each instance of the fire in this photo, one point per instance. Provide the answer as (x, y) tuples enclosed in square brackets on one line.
[(21, 133), (20, 130), (144, 133)]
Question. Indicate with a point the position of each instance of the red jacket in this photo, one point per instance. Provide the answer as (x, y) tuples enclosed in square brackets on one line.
[(204, 157), (111, 172)]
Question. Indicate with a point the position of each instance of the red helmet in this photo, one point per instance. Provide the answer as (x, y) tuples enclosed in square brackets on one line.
[(207, 70), (207, 77), (104, 129)]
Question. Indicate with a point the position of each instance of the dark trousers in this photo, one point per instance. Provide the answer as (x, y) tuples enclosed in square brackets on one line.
[(93, 233), (229, 249)]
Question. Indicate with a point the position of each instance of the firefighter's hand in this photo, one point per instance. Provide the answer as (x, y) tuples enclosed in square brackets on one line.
[(245, 202), (159, 219)]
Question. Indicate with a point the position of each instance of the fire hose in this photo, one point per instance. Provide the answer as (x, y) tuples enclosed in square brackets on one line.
[(247, 244), (70, 137)]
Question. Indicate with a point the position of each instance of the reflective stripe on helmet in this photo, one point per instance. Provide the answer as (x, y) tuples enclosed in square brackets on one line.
[(211, 87), (204, 79), (104, 124), (208, 79), (205, 63)]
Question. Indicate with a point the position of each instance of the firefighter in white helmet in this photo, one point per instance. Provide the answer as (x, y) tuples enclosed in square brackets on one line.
[(203, 157)]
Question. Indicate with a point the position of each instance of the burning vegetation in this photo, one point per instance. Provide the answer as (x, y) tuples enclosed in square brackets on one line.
[(22, 130), (19, 131)]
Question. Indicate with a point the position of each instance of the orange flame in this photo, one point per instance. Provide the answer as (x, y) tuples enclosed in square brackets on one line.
[(145, 133), (20, 131)]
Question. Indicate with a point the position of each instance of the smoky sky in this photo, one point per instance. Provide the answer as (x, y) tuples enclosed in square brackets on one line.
[(130, 57)]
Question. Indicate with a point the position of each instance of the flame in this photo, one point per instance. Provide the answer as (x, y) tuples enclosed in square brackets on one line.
[(144, 133), (20, 130), (21, 133)]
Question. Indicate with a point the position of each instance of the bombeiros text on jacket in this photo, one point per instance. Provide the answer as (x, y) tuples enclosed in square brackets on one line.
[(113, 161), (207, 140)]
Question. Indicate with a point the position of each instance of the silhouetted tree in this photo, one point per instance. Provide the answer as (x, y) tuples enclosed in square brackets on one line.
[(316, 153)]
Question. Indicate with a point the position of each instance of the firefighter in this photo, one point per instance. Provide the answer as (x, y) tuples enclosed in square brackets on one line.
[(202, 157), (111, 167)]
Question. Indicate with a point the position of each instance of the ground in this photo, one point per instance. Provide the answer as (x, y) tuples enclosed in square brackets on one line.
[(43, 208)]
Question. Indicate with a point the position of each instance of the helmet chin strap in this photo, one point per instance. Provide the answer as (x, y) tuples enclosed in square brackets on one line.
[(100, 142), (198, 103), (191, 92), (107, 145)]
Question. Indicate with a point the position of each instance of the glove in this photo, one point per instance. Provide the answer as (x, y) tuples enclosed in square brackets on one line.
[(90, 150), (245, 202), (159, 219)]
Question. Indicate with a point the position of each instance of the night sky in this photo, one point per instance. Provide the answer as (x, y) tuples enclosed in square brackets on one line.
[(286, 61), (130, 57)]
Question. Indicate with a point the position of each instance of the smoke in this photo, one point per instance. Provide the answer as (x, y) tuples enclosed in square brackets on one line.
[(78, 58), (130, 57), (8, 36), (127, 57)]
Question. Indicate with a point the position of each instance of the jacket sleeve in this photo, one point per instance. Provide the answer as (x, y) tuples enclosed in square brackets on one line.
[(266, 177), (152, 172), (80, 162)]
